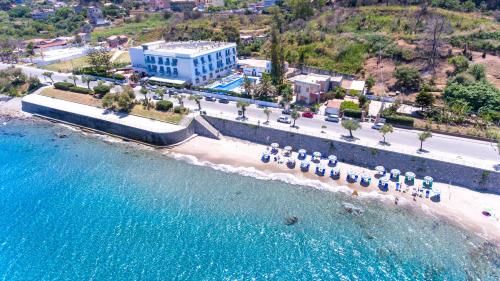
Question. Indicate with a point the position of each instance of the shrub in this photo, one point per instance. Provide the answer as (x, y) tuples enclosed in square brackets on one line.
[(408, 78), (354, 113), (179, 110), (399, 120), (101, 90), (164, 105), (80, 90), (348, 105), (63, 85)]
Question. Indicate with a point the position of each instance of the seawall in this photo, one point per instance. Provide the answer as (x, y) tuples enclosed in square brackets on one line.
[(156, 138), (351, 153)]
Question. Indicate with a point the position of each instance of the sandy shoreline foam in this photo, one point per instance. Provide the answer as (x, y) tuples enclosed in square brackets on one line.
[(458, 205)]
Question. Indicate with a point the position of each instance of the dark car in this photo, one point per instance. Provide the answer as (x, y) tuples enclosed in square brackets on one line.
[(210, 99), (223, 100), (307, 114), (287, 111)]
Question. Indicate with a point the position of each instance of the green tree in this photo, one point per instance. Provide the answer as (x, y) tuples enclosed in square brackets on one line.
[(197, 99), (423, 137), (160, 91), (477, 95), (351, 125), (478, 71), (385, 129), (425, 99), (460, 63), (370, 82), (87, 80), (30, 51), (265, 89), (243, 105), (247, 85), (180, 99), (99, 59), (295, 115), (267, 112), (301, 9), (74, 78), (407, 78), (277, 71), (48, 74)]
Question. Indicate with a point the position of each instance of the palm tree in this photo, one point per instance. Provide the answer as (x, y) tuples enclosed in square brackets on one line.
[(423, 137), (265, 89), (74, 78), (48, 74), (197, 99), (180, 99), (144, 91), (87, 79), (247, 85), (287, 95), (350, 125), (267, 112), (385, 130), (295, 115), (243, 105)]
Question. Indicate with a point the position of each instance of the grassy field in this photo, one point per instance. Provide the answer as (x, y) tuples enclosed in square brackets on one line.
[(137, 110), (136, 30), (67, 66)]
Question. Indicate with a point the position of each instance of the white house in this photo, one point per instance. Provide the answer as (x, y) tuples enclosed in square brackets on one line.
[(310, 87), (254, 67), (195, 62)]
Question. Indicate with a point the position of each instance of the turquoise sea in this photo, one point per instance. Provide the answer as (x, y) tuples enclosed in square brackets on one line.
[(80, 208)]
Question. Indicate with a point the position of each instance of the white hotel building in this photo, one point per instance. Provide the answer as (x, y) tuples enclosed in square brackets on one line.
[(195, 62)]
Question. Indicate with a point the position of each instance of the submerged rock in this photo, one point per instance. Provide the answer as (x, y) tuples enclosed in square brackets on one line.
[(61, 135), (351, 209), (291, 220)]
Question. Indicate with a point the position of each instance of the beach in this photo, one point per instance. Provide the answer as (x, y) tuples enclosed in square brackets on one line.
[(458, 205)]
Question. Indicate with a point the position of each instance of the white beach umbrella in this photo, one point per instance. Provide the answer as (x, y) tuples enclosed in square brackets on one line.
[(384, 179), (304, 164), (275, 145), (317, 154), (332, 158), (428, 179), (336, 170), (410, 175), (288, 148), (351, 174), (380, 169), (395, 172)]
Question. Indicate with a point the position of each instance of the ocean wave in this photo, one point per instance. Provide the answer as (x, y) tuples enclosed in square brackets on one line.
[(69, 127)]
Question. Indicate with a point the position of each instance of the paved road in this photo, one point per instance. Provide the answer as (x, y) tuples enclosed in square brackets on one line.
[(402, 139)]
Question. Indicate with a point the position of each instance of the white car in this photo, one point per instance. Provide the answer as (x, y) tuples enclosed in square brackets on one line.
[(378, 125), (332, 118), (284, 119)]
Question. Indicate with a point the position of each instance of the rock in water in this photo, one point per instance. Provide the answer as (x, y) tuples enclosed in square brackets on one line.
[(291, 220), (61, 135), (351, 209)]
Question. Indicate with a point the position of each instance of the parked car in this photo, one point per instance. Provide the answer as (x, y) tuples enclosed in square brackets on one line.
[(284, 119), (155, 97), (332, 118), (210, 98), (223, 100), (307, 114), (287, 111), (378, 125)]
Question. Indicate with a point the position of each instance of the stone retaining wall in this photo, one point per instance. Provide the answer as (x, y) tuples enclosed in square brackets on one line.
[(158, 139), (351, 153)]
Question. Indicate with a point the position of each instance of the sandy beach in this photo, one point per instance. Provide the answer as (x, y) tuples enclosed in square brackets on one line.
[(459, 205)]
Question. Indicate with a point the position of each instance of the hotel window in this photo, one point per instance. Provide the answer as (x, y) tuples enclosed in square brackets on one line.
[(161, 69), (196, 71), (167, 61), (209, 57), (175, 72), (211, 76), (169, 71), (202, 60), (234, 50), (160, 60), (195, 61), (174, 62), (153, 60), (204, 69), (197, 80), (211, 67), (234, 59)]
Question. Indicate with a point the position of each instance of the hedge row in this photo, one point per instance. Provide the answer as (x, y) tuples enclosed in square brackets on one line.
[(80, 90), (90, 71), (399, 120), (63, 85), (164, 105), (353, 113)]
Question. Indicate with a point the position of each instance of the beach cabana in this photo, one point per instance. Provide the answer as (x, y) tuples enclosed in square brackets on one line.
[(351, 175), (395, 173), (428, 182), (302, 153), (316, 155), (410, 178), (332, 160), (274, 147), (335, 172), (304, 165), (320, 170), (265, 156), (383, 182), (380, 170), (366, 179)]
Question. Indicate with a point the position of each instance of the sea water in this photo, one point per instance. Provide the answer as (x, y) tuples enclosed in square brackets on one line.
[(75, 207)]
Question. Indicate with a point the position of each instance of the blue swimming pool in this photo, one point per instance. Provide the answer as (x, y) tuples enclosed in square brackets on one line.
[(232, 85)]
